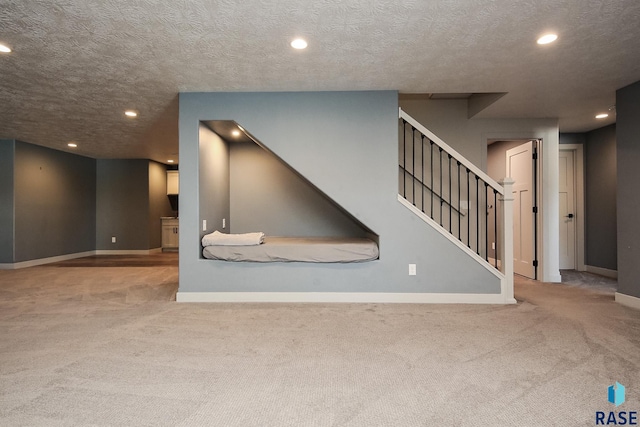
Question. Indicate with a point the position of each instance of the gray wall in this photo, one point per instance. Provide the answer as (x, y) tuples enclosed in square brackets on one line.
[(122, 204), (159, 204), (346, 144), (600, 198), (448, 120), (268, 196), (628, 159), (6, 200), (213, 182), (54, 202)]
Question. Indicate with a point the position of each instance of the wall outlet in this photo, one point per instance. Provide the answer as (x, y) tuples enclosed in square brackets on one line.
[(224, 223), (464, 205), (113, 239), (204, 225), (412, 269), (493, 245)]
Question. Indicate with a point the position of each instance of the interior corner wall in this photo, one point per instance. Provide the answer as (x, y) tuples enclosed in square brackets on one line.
[(7, 153), (600, 198), (345, 144), (448, 120), (268, 196), (54, 202), (159, 202), (573, 138), (212, 183), (122, 204), (628, 201)]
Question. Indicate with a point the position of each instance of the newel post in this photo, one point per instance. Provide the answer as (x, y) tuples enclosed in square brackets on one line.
[(506, 252)]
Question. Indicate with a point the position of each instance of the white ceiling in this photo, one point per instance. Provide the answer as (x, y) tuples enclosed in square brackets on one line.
[(78, 64)]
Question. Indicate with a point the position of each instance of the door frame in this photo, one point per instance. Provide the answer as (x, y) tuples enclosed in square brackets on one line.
[(578, 150), (536, 189)]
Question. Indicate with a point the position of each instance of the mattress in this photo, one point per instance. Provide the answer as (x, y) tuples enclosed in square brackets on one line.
[(298, 249)]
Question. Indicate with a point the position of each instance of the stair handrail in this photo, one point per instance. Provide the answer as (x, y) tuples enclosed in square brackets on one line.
[(452, 152)]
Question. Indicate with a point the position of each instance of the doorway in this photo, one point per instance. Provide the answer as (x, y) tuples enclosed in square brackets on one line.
[(571, 207), (517, 158), (521, 166)]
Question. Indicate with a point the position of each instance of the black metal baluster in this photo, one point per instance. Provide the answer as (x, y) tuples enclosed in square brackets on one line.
[(477, 215), (468, 211), (459, 210), (440, 153), (422, 169), (486, 223), (413, 165), (431, 151), (495, 226), (450, 201), (404, 158)]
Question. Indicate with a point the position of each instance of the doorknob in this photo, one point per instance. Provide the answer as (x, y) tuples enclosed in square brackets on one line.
[(570, 216)]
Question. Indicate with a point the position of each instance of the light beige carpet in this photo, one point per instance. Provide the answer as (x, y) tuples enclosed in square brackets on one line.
[(102, 346)]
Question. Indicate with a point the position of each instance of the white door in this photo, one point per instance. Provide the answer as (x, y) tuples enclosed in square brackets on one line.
[(520, 168), (567, 210)]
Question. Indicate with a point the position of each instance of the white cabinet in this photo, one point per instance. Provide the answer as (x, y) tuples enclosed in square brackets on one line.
[(173, 182), (170, 234)]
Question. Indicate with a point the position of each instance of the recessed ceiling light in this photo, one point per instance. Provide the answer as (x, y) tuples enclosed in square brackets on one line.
[(4, 48), (235, 133), (299, 44), (602, 116), (169, 161), (547, 38), (72, 144), (131, 113)]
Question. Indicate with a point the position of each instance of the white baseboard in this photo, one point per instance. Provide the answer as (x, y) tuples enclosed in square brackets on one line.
[(127, 252), (342, 297), (628, 300), (42, 261), (49, 260), (613, 274)]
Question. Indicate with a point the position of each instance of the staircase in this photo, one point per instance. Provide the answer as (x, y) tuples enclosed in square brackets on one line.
[(459, 200)]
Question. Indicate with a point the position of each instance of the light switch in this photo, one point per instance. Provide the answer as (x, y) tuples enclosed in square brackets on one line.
[(204, 225)]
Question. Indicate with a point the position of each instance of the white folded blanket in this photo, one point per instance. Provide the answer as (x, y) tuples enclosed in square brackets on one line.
[(223, 239)]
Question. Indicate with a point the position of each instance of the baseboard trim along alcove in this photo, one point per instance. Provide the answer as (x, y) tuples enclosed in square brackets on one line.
[(339, 297)]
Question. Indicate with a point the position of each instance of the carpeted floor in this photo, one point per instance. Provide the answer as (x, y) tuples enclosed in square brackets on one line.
[(106, 346)]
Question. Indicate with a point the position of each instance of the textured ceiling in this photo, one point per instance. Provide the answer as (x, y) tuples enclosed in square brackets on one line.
[(78, 64)]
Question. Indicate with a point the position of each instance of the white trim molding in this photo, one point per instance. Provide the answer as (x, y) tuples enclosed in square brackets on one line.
[(127, 252), (613, 274), (628, 300), (340, 297)]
